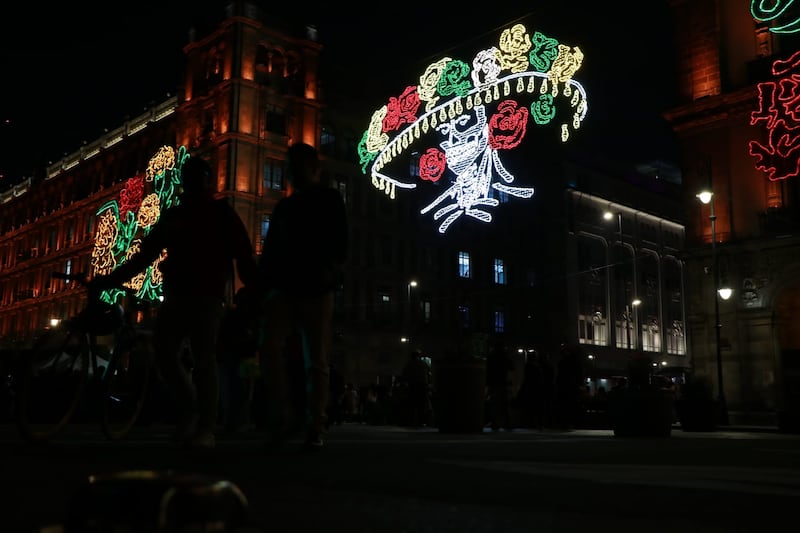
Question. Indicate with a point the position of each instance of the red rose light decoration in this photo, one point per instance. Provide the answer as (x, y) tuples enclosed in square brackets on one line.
[(432, 164), (507, 126)]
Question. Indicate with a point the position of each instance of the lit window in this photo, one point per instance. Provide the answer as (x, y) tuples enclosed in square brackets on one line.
[(499, 272), (499, 321), (413, 165), (264, 226), (273, 175), (463, 265), (327, 141)]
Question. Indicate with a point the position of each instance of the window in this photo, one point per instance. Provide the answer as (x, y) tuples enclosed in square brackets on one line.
[(383, 316), (70, 231), (90, 225), (264, 226), (51, 240), (592, 289), (275, 120), (426, 311), (413, 165), (674, 338), (530, 277), (499, 272), (501, 196), (273, 175), (593, 329), (327, 141), (341, 186), (463, 265), (463, 314), (263, 232), (499, 321)]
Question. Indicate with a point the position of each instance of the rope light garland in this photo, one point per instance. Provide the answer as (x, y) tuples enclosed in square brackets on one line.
[(460, 116), (779, 13), (122, 222), (779, 113)]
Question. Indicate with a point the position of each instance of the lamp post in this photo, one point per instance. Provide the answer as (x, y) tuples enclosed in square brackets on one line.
[(707, 197), (412, 283), (635, 304), (608, 215)]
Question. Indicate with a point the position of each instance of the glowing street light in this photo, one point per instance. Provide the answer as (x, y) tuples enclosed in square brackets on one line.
[(707, 197)]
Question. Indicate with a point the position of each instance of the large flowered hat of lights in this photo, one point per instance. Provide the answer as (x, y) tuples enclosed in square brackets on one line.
[(456, 122), (124, 221)]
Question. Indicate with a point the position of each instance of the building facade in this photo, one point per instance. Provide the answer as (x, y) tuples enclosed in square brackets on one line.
[(544, 273), (729, 130)]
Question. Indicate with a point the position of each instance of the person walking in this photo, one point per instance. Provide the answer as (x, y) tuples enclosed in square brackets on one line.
[(301, 265), (499, 367), (204, 239)]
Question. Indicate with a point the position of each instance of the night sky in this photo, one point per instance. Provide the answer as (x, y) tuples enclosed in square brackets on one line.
[(70, 71)]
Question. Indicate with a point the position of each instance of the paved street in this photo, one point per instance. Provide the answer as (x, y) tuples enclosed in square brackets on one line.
[(389, 479)]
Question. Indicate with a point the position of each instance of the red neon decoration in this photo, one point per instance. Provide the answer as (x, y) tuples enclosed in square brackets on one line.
[(779, 112), (402, 110), (432, 164)]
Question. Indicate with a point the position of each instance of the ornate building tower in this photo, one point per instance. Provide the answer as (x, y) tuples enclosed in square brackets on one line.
[(748, 237), (250, 90)]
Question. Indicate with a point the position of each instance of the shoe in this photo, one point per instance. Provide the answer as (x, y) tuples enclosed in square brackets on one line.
[(313, 440), (201, 441)]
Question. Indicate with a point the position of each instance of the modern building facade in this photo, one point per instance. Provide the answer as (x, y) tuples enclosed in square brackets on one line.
[(733, 117), (548, 270)]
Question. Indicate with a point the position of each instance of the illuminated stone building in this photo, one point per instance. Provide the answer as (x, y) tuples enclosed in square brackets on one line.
[(547, 269), (729, 118)]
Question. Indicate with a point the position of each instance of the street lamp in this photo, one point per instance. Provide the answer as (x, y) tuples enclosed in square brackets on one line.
[(412, 283), (409, 309), (635, 303), (609, 215), (719, 292)]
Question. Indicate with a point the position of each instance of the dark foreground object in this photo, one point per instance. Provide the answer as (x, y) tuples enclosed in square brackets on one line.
[(149, 501)]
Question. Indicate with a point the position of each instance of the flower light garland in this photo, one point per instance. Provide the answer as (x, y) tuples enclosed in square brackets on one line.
[(475, 111), (122, 222)]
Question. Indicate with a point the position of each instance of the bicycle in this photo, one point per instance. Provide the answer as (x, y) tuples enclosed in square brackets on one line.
[(54, 379)]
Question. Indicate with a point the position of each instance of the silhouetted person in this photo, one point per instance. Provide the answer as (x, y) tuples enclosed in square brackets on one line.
[(236, 353), (416, 375), (569, 387), (529, 397), (301, 266), (202, 236), (499, 367)]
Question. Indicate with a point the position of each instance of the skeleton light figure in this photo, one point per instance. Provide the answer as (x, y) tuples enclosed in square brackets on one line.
[(474, 161), (447, 131)]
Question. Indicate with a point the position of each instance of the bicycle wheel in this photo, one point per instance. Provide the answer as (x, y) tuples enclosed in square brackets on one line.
[(125, 387), (52, 381)]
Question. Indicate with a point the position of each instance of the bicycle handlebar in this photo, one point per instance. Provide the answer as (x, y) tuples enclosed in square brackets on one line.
[(83, 279)]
